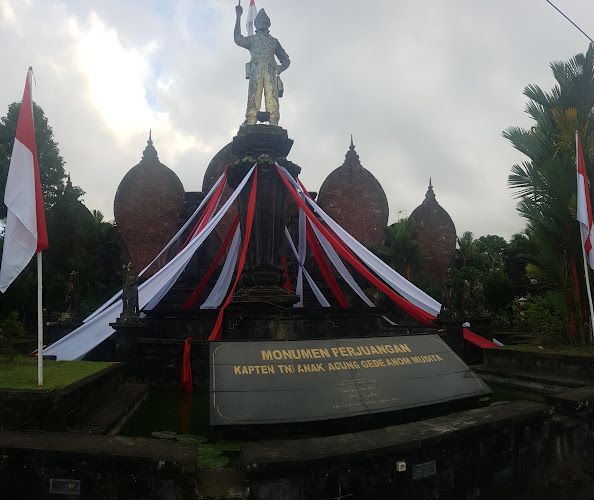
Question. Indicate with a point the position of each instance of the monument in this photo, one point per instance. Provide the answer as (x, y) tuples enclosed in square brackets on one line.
[(272, 360), (262, 70)]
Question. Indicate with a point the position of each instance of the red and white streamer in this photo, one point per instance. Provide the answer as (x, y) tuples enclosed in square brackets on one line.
[(80, 341), (317, 292)]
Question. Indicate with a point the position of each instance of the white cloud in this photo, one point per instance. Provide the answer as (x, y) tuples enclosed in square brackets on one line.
[(425, 88)]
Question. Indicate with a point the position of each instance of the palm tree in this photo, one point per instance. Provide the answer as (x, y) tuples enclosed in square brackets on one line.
[(545, 185), (466, 246), (401, 252)]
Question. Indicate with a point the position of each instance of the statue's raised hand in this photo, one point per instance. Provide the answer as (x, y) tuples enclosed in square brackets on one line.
[(238, 10)]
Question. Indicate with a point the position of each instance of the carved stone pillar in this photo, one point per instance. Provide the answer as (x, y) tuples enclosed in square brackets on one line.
[(263, 276)]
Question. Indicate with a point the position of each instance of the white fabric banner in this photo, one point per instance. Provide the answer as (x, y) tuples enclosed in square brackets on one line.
[(20, 233), (317, 292), (89, 335), (301, 258), (165, 249), (340, 267), (399, 284), (251, 15), (219, 291)]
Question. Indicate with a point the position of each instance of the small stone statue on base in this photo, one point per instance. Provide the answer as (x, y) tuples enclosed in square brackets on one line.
[(449, 306), (72, 295), (262, 70), (130, 293)]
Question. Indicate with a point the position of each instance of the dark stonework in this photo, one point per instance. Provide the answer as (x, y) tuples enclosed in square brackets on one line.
[(263, 275), (354, 198), (256, 140), (436, 234), (147, 208), (215, 169)]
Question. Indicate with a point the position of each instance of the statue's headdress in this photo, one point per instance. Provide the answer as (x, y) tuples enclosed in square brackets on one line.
[(262, 21)]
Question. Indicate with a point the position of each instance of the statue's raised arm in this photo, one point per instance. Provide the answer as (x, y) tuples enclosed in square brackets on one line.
[(237, 36), (262, 70)]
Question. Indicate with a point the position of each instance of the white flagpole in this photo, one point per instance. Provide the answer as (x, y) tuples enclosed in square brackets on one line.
[(39, 322), (586, 273)]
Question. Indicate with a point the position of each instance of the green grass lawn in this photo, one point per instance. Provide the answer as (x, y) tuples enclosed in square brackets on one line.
[(22, 373), (569, 350)]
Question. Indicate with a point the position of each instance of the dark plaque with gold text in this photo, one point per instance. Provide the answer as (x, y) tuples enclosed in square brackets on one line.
[(304, 380)]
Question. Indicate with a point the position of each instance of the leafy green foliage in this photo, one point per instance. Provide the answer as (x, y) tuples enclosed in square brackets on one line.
[(10, 330), (498, 291), (546, 317), (51, 163), (227, 446), (190, 438), (466, 246), (545, 185), (164, 434), (431, 288), (209, 456), (211, 461), (490, 252), (401, 251)]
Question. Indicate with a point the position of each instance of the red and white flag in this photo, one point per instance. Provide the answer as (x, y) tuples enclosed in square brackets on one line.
[(584, 207), (251, 15), (25, 233)]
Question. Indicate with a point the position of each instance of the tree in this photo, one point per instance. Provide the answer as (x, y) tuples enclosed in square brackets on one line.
[(401, 251), (490, 252), (466, 246), (545, 185), (51, 163)]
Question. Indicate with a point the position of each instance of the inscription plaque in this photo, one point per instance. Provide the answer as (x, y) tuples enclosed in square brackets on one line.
[(305, 380)]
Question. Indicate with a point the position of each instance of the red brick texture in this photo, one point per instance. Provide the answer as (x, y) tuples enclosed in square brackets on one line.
[(355, 199), (436, 234), (147, 208)]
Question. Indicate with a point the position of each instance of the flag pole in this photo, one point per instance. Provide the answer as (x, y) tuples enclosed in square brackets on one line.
[(39, 322), (586, 272)]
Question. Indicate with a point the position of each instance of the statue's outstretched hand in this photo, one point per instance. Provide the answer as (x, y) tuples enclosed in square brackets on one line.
[(238, 10)]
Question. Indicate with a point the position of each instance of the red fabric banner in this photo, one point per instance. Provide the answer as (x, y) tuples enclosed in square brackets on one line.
[(324, 267), (414, 311), (477, 340), (186, 381), (287, 284), (216, 331), (202, 285), (406, 306)]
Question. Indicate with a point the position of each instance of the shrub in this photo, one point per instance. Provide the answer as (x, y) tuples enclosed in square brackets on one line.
[(545, 317), (10, 330), (498, 290)]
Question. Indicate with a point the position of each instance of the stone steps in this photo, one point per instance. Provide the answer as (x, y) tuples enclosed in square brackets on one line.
[(540, 382), (115, 412), (513, 338)]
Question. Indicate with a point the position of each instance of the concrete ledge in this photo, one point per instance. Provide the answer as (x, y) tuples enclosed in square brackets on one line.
[(165, 456), (574, 403), (105, 467), (530, 380), (60, 409), (293, 458), (557, 365)]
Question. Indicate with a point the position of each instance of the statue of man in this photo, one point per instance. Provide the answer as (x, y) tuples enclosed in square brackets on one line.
[(262, 70), (130, 292)]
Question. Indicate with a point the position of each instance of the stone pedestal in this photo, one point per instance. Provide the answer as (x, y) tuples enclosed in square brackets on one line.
[(454, 334), (263, 276), (482, 325), (127, 332)]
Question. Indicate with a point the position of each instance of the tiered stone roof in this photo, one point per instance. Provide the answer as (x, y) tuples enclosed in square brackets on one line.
[(147, 208), (355, 199), (435, 231)]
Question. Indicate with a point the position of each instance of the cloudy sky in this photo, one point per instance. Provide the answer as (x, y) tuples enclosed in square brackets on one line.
[(426, 88)]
